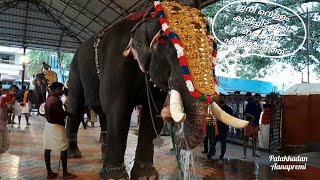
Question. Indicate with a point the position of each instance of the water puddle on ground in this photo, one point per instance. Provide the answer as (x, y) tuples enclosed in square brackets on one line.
[(240, 169)]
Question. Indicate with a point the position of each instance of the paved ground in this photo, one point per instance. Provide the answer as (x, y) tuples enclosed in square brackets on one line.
[(24, 159)]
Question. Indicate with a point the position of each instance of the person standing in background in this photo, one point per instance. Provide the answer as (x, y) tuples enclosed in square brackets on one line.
[(252, 112), (223, 131), (23, 99), (266, 119)]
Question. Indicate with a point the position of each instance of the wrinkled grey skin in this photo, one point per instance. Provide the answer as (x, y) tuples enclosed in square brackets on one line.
[(121, 87)]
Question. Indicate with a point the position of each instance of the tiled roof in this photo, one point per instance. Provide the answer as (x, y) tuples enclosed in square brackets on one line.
[(62, 24)]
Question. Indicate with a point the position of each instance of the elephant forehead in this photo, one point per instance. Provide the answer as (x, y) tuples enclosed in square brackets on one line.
[(190, 25)]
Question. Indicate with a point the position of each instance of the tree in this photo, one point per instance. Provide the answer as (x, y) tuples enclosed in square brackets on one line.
[(256, 66), (64, 62), (37, 57)]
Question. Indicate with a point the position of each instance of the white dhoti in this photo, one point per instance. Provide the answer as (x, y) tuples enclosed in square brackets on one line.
[(264, 136), (16, 108), (4, 140), (55, 137), (25, 109)]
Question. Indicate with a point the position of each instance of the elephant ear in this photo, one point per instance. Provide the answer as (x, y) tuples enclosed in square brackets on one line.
[(142, 59), (139, 43), (128, 50)]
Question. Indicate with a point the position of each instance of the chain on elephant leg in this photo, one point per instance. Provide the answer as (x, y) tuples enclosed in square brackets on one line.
[(73, 150), (114, 172), (144, 171), (103, 137)]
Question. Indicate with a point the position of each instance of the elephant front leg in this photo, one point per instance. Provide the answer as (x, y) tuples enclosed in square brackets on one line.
[(103, 137), (72, 132), (118, 122), (143, 167)]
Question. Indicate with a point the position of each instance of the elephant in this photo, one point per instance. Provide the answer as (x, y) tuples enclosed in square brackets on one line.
[(118, 69), (41, 82)]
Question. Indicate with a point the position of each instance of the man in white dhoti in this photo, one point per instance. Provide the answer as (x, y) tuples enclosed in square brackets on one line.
[(54, 134), (266, 120), (23, 99)]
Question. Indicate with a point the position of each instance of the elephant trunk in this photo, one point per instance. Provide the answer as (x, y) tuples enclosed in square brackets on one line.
[(189, 132)]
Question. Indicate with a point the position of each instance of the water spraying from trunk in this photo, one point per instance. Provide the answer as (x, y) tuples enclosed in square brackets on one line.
[(186, 157)]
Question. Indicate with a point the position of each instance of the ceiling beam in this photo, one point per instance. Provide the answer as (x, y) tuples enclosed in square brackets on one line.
[(36, 25), (145, 5), (118, 6), (64, 10), (62, 33), (80, 12), (11, 35), (67, 17), (50, 5), (59, 24), (8, 5), (106, 6), (83, 14), (70, 48), (25, 24), (42, 19), (124, 14), (33, 31)]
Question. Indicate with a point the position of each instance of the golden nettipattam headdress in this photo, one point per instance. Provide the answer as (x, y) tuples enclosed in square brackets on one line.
[(186, 27)]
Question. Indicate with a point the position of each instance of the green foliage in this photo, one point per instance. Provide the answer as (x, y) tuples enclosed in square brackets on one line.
[(255, 66), (36, 57), (66, 59)]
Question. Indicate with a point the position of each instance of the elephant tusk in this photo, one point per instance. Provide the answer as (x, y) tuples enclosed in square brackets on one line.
[(226, 118), (176, 107)]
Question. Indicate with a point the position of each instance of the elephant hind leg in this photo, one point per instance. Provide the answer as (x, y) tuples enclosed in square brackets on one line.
[(103, 133)]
